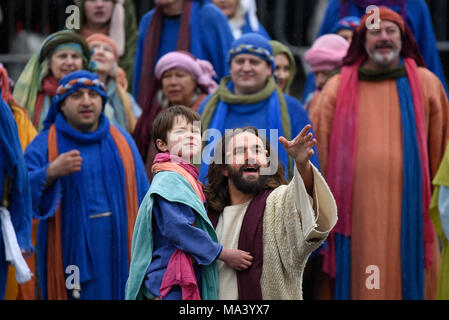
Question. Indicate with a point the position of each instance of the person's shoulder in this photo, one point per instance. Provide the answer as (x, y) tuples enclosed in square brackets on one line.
[(39, 144), (425, 74), (129, 139), (145, 19), (211, 14)]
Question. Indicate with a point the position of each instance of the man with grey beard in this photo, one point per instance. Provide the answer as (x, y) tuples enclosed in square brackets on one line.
[(383, 128), (253, 209)]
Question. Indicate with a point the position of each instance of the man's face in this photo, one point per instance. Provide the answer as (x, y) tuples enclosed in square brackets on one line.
[(82, 109), (383, 45), (245, 155), (249, 73)]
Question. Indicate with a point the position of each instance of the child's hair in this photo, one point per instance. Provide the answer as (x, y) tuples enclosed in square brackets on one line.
[(165, 119)]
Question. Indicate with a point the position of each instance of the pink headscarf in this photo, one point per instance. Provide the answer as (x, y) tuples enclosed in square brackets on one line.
[(327, 52), (202, 71)]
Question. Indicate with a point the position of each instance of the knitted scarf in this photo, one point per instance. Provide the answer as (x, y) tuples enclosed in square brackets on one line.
[(416, 228), (68, 242), (148, 84), (215, 112), (250, 240)]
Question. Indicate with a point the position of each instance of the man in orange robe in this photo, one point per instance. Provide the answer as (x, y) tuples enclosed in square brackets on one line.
[(382, 132)]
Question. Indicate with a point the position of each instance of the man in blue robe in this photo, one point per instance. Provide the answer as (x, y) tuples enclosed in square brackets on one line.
[(196, 26), (250, 97), (414, 12), (15, 193), (87, 181)]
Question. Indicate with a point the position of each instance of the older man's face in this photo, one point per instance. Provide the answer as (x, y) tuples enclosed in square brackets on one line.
[(249, 73), (384, 45), (82, 109)]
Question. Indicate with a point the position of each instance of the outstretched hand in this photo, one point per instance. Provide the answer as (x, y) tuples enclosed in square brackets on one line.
[(301, 147), (301, 150)]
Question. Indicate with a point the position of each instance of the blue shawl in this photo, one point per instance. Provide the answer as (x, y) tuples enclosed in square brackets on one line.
[(17, 173), (76, 246)]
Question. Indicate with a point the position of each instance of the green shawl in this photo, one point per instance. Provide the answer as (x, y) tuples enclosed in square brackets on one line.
[(142, 244), (441, 179), (223, 94)]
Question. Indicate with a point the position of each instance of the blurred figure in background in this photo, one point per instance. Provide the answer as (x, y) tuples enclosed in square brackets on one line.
[(325, 55), (61, 53), (116, 19), (344, 27), (182, 80), (121, 108), (285, 70), (242, 17)]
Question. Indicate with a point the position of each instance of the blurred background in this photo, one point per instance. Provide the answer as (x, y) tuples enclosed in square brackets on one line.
[(24, 24)]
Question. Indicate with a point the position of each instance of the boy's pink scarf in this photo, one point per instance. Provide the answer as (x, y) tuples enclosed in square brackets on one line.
[(180, 272), (343, 152), (169, 162)]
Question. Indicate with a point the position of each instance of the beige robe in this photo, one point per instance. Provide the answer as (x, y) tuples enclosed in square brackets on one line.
[(294, 225)]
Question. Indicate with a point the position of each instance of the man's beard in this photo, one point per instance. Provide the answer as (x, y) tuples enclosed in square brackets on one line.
[(381, 59), (247, 186)]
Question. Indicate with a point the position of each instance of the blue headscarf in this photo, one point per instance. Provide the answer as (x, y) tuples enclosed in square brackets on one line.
[(348, 23), (68, 85), (255, 44)]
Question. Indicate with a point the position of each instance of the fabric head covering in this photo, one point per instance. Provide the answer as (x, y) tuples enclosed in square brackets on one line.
[(202, 71), (255, 44), (30, 81), (68, 85), (384, 14), (327, 52), (100, 37), (409, 47), (348, 23), (279, 48)]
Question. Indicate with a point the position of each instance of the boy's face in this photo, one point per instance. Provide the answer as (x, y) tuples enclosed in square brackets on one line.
[(183, 139)]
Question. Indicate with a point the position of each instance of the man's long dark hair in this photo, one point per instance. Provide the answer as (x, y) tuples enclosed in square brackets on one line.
[(216, 190)]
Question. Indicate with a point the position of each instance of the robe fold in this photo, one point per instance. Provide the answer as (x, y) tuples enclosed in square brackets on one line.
[(376, 205), (93, 205)]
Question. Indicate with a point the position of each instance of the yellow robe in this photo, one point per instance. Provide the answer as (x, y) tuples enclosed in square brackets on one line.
[(441, 179), (376, 207)]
